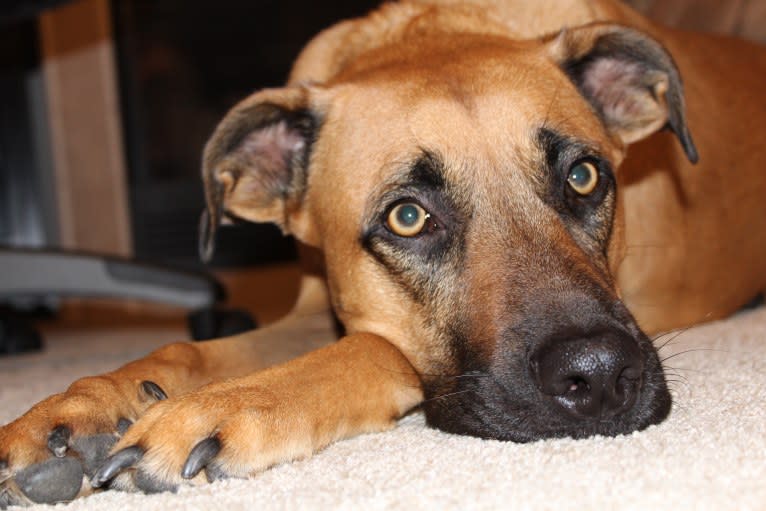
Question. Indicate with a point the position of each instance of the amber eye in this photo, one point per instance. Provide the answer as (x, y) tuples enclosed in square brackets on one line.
[(583, 178), (407, 219)]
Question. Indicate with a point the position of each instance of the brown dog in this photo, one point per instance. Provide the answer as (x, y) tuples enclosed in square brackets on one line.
[(460, 175)]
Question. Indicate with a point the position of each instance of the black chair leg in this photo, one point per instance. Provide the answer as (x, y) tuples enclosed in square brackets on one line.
[(17, 334)]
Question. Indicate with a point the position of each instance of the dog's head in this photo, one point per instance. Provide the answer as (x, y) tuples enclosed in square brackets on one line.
[(463, 190)]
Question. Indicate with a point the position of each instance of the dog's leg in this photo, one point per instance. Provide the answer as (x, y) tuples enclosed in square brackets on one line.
[(45, 453), (239, 427)]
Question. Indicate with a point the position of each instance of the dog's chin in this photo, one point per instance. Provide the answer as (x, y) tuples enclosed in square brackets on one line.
[(477, 404)]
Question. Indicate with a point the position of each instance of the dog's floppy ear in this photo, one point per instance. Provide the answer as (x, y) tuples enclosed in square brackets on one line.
[(255, 164), (628, 77)]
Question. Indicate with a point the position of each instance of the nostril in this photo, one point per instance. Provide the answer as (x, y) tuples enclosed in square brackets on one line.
[(577, 385), (626, 390)]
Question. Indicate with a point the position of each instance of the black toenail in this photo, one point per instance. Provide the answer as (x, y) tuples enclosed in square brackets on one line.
[(200, 456), (153, 390), (115, 464), (122, 425), (58, 440)]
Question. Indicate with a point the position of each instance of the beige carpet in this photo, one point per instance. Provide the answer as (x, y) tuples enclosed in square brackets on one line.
[(710, 453)]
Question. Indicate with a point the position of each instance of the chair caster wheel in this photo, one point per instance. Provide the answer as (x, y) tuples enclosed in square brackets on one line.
[(214, 322), (17, 335)]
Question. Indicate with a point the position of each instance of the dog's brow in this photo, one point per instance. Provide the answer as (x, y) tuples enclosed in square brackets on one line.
[(557, 147), (552, 143), (427, 171)]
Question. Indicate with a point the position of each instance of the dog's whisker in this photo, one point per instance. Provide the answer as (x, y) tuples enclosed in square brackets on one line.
[(689, 369), (448, 395), (673, 382), (669, 375), (680, 407), (396, 371), (678, 378), (684, 352), (456, 376), (673, 337), (473, 375), (691, 350)]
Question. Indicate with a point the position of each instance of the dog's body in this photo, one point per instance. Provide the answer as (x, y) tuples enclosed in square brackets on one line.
[(459, 177)]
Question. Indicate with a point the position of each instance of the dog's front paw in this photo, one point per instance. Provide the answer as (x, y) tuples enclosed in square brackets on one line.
[(50, 453), (228, 429)]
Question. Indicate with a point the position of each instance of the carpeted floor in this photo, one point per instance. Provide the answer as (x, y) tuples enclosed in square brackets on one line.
[(710, 453)]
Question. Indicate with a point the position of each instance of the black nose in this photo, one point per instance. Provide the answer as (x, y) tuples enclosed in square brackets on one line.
[(592, 377)]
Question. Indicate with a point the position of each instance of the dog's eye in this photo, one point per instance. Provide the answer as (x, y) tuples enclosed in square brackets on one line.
[(407, 219), (583, 177)]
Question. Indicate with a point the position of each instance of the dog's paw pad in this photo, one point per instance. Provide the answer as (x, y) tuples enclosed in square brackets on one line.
[(93, 450), (53, 480), (215, 472), (148, 483), (7, 499)]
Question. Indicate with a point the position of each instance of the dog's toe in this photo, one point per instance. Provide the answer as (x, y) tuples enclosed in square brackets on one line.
[(200, 457), (148, 482), (156, 452), (91, 450), (191, 440), (115, 464), (123, 471)]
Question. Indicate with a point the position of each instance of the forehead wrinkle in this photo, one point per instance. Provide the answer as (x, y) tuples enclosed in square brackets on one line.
[(440, 122)]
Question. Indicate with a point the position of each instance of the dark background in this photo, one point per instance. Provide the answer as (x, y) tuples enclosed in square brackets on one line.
[(182, 65)]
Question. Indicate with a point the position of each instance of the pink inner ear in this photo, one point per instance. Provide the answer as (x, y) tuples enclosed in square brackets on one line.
[(264, 159), (616, 87), (274, 144)]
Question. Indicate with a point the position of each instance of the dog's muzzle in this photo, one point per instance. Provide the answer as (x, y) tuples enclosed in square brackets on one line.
[(561, 374)]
